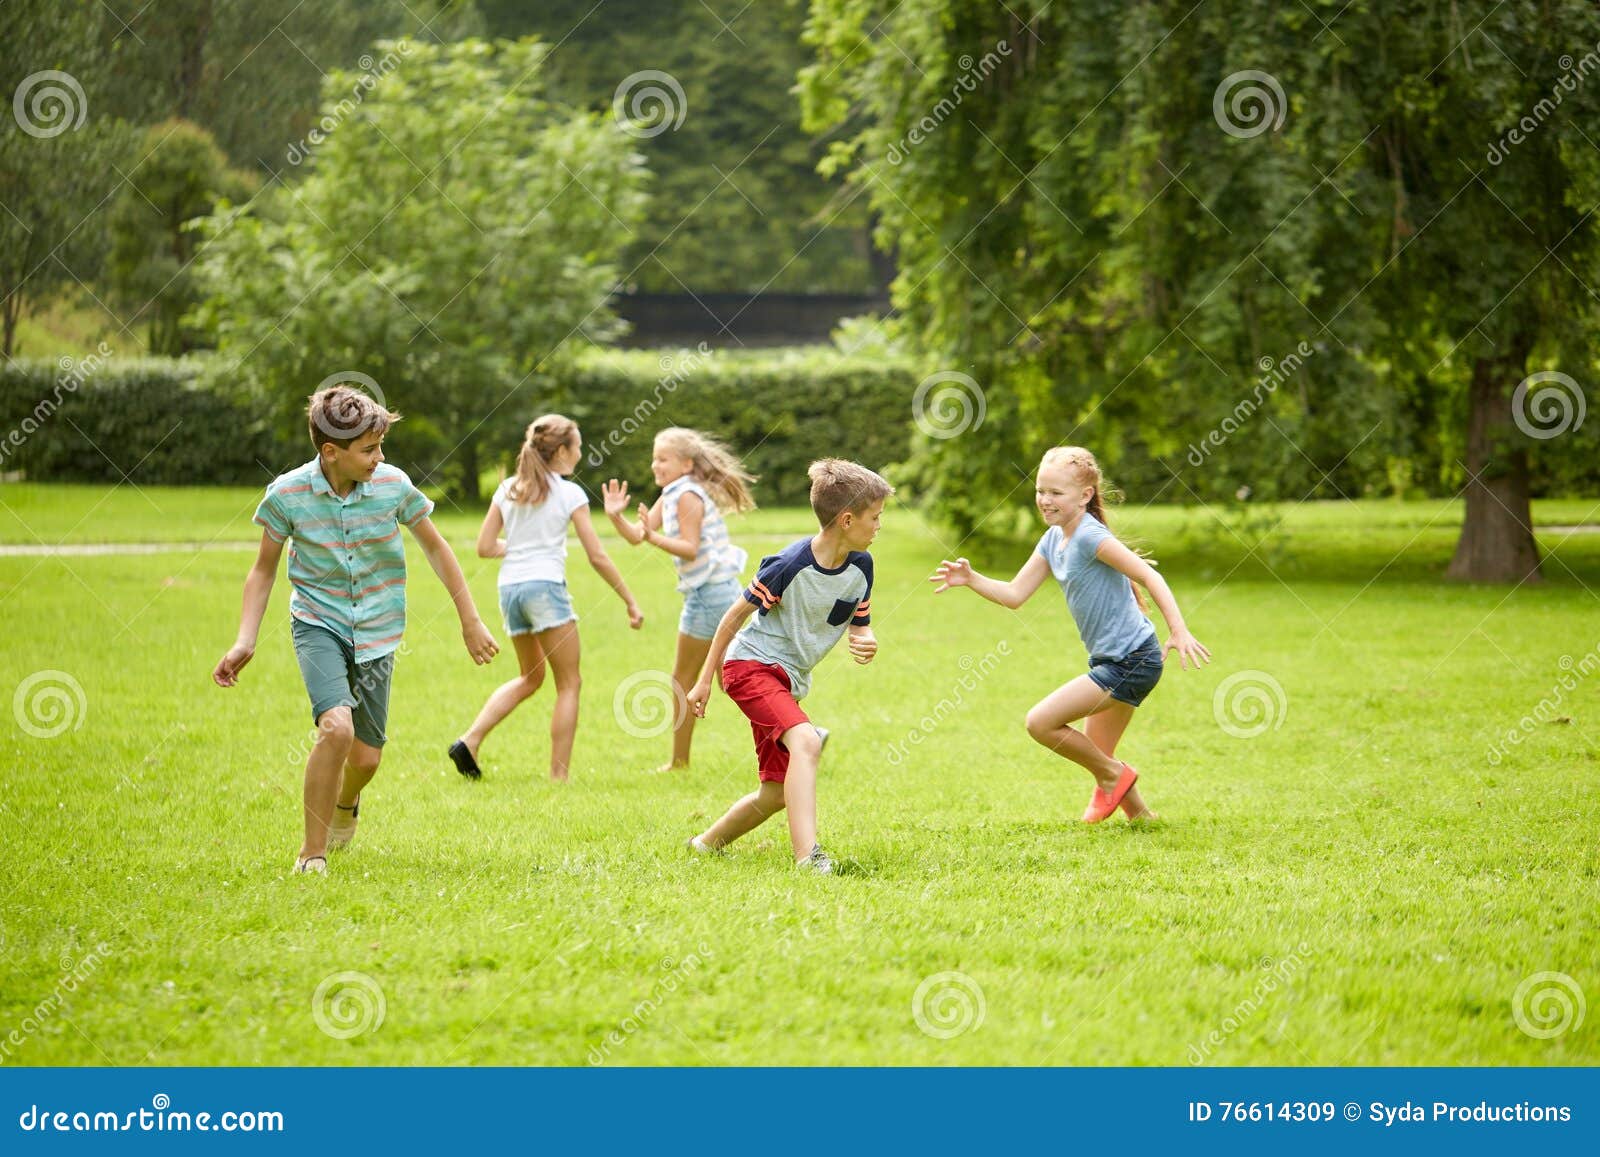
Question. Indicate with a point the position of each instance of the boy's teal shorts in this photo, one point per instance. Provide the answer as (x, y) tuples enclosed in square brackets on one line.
[(333, 678)]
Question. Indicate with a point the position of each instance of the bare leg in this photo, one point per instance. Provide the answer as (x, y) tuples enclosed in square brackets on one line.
[(745, 815), (1049, 722), (800, 786), (561, 651), (359, 768), (691, 657), (504, 698), (1105, 730), (325, 765)]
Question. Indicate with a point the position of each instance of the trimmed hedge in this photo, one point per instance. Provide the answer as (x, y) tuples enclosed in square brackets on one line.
[(164, 422), (779, 409)]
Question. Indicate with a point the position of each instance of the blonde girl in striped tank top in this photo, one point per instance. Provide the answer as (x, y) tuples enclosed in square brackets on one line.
[(700, 480)]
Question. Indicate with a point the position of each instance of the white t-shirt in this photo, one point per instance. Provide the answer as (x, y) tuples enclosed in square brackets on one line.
[(536, 536)]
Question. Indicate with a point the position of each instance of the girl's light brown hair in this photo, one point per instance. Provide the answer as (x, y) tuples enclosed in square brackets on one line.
[(1083, 466), (716, 467), (545, 437)]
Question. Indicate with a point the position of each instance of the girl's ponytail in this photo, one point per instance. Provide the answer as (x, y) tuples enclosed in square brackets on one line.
[(545, 436)]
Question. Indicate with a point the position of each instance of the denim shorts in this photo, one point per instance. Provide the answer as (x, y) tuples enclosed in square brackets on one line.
[(333, 678), (704, 606), (1131, 678), (535, 606)]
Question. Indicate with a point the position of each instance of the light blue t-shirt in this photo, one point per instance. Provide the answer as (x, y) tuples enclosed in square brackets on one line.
[(1100, 597)]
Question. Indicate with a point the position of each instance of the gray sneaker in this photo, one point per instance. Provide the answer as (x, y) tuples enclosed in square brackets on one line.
[(822, 737), (818, 861), (694, 845)]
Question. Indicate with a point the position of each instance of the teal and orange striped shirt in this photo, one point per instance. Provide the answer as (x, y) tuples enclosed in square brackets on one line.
[(347, 563)]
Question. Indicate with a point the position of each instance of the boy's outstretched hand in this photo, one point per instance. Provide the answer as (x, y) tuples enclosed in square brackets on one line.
[(699, 695), (480, 643), (615, 495), (952, 574), (1189, 648), (227, 672), (863, 645), (635, 616)]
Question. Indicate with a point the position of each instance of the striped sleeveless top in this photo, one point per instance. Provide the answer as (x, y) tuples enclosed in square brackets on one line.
[(717, 558)]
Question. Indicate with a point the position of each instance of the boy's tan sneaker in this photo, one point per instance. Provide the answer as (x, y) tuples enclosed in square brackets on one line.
[(343, 829), (311, 866)]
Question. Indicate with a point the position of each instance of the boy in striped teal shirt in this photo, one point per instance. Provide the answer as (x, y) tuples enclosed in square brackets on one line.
[(347, 571)]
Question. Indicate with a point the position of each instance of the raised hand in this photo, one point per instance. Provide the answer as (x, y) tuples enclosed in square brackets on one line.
[(952, 574), (616, 496)]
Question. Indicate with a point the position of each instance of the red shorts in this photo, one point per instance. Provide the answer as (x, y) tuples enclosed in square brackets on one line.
[(762, 692)]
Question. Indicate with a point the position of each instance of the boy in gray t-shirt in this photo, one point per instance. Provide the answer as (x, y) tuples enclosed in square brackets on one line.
[(805, 598)]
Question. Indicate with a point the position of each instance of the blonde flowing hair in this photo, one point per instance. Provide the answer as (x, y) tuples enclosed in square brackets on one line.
[(1083, 466), (716, 467), (545, 436)]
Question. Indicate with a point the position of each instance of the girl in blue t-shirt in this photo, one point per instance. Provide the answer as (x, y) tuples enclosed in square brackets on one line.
[(701, 480), (1097, 574)]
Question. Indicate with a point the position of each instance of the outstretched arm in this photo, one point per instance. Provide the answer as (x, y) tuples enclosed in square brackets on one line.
[(741, 610), (603, 566), (480, 644), (1139, 570), (615, 495), (257, 590), (1012, 594)]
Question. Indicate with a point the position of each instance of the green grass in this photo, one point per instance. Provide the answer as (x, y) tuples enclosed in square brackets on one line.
[(1361, 884)]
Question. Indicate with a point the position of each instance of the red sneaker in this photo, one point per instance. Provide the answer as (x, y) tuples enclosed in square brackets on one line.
[(1103, 802)]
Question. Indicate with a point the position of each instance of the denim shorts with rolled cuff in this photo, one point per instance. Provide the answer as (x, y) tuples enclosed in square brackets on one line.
[(1131, 678), (535, 606), (333, 678), (704, 606)]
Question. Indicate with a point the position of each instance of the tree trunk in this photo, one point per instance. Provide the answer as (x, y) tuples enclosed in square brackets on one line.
[(1496, 544), (467, 454)]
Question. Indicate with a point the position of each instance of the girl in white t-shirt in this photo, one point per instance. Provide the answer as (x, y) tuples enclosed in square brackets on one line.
[(531, 510)]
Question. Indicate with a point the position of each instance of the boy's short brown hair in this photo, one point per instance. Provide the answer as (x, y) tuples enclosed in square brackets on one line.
[(838, 485), (340, 415)]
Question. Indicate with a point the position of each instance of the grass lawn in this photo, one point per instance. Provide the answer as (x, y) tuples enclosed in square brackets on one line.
[(1368, 880)]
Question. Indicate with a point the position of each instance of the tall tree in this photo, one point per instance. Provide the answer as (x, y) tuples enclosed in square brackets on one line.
[(1128, 221), (454, 232)]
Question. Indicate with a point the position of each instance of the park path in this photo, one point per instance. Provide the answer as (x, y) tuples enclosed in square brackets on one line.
[(23, 549)]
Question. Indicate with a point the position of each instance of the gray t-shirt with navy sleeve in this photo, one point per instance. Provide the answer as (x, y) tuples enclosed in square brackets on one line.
[(802, 610), (1100, 597)]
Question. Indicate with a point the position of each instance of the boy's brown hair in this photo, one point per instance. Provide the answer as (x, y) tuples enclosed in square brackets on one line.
[(838, 485), (340, 415)]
